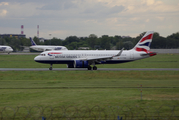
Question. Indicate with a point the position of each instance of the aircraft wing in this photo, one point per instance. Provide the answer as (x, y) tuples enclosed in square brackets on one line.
[(48, 49), (101, 58), (97, 58)]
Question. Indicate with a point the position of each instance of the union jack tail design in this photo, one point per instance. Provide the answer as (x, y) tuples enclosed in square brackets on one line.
[(144, 43)]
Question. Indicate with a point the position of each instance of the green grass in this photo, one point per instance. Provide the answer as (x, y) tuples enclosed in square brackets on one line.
[(34, 90), (22, 79), (87, 87)]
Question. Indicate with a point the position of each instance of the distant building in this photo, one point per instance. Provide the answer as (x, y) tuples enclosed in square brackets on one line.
[(26, 48), (42, 39), (12, 35), (83, 48)]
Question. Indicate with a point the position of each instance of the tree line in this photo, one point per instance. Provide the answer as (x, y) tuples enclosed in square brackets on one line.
[(94, 42)]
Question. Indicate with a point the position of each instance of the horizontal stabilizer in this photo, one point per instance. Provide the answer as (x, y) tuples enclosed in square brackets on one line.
[(150, 54)]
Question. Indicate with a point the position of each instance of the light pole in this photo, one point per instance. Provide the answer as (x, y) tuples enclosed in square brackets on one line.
[(50, 38)]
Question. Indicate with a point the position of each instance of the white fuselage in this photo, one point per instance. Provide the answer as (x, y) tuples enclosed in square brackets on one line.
[(47, 48), (67, 57), (6, 49)]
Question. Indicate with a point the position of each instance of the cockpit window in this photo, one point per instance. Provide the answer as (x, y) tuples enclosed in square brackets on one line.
[(42, 55)]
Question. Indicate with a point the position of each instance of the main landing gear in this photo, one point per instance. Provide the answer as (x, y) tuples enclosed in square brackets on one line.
[(50, 67), (94, 67)]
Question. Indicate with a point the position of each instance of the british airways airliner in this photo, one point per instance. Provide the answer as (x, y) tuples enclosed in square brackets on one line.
[(45, 48), (88, 58), (6, 49)]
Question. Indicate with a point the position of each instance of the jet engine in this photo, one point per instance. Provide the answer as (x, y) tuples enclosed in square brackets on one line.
[(80, 64)]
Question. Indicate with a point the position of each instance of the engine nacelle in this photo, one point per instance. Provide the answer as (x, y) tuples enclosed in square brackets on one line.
[(80, 64), (70, 66)]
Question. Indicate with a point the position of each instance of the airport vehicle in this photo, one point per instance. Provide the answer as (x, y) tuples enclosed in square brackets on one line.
[(88, 58), (5, 49), (45, 47)]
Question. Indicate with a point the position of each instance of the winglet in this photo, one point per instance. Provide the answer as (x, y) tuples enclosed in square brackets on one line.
[(120, 52)]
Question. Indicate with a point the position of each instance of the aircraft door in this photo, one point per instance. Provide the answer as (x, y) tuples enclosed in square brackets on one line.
[(131, 55)]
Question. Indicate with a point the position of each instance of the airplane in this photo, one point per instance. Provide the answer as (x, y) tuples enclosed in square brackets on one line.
[(6, 49), (45, 48), (88, 58)]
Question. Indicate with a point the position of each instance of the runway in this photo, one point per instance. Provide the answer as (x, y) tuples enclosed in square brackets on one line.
[(21, 53), (85, 69)]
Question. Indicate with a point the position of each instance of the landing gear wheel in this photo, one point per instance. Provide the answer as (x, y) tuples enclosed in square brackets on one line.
[(89, 67), (94, 68), (50, 67)]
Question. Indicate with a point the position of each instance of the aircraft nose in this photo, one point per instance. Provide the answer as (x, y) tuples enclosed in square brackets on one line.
[(36, 58)]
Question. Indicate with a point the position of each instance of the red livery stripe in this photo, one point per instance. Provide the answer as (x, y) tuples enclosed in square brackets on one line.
[(146, 38), (55, 53), (141, 49)]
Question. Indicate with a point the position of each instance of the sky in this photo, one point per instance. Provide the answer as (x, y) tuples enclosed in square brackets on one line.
[(64, 18)]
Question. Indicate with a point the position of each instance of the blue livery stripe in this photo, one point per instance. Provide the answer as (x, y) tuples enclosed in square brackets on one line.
[(145, 44)]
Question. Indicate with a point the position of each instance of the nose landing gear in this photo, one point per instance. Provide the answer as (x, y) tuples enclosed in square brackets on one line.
[(50, 67)]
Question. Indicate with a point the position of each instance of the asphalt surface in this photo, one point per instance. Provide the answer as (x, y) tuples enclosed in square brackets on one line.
[(21, 53), (82, 69)]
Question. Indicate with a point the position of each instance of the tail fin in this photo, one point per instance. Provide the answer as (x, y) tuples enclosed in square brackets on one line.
[(144, 43), (32, 42)]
